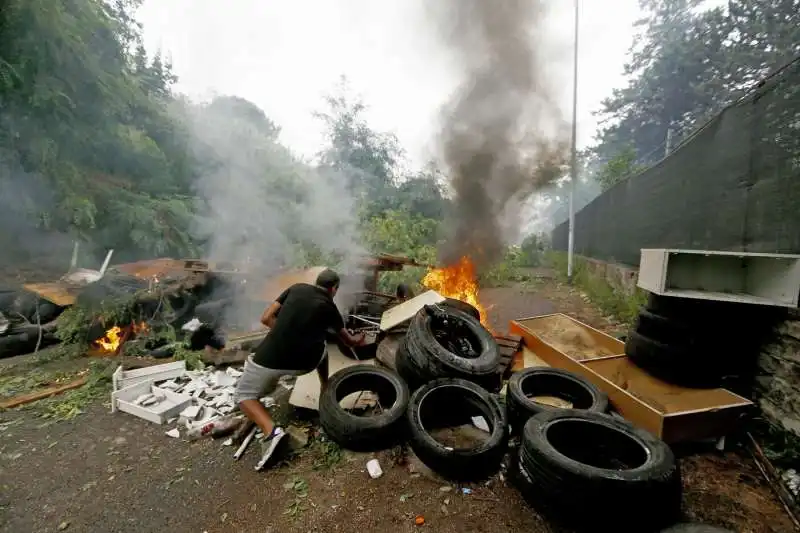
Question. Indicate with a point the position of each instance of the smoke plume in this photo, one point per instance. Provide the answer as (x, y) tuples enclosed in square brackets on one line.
[(503, 135), (260, 205)]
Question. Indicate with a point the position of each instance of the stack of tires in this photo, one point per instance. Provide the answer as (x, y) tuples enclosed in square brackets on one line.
[(694, 343), (440, 383), (422, 356)]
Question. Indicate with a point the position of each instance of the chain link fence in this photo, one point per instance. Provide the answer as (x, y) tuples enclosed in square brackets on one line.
[(733, 185)]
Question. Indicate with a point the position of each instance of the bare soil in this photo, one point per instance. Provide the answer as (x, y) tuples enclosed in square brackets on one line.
[(114, 473)]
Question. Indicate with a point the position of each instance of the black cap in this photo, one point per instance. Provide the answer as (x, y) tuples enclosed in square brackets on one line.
[(328, 279)]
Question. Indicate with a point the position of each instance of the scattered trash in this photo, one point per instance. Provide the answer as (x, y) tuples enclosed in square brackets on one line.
[(480, 423), (466, 491), (174, 433), (445, 488), (419, 520), (374, 469), (63, 525), (792, 480), (405, 497)]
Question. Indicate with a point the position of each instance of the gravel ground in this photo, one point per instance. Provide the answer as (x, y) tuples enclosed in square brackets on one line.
[(114, 473)]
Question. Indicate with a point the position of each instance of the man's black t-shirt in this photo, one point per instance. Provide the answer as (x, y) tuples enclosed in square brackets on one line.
[(298, 339)]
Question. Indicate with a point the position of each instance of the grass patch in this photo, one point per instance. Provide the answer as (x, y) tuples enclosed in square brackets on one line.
[(618, 303), (329, 454), (299, 489)]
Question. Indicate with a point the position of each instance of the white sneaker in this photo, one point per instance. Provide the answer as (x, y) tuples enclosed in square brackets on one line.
[(269, 445)]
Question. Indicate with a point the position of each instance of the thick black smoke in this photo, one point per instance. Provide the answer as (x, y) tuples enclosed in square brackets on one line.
[(503, 135)]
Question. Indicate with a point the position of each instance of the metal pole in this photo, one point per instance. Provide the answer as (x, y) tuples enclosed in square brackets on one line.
[(574, 155)]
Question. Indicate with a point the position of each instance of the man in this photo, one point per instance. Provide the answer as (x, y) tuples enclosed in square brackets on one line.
[(295, 345)]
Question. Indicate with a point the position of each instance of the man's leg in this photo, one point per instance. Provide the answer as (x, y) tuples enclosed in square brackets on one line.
[(254, 383)]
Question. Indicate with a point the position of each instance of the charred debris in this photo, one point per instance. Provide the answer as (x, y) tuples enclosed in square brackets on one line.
[(168, 307)]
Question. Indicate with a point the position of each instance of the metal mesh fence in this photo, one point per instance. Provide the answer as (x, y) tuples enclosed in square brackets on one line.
[(734, 185)]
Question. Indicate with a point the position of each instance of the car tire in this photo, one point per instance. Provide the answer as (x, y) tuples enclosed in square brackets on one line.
[(695, 528), (364, 433), (603, 462), (583, 394), (463, 306), (664, 329), (437, 402), (687, 366), (427, 359)]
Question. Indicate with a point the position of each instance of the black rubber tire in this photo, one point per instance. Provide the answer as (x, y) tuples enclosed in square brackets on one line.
[(364, 433), (666, 330), (549, 382), (648, 484), (690, 366), (182, 306), (695, 528), (471, 464), (424, 359), (20, 343), (463, 306)]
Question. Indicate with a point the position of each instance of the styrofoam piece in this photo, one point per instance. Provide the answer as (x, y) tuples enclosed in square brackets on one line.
[(169, 407), (223, 379), (123, 379), (403, 312)]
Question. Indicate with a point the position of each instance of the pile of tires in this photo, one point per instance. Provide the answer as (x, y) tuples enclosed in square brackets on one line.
[(619, 477), (423, 356), (690, 342)]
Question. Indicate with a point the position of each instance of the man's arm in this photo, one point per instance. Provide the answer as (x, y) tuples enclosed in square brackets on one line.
[(351, 340), (271, 312), (268, 317), (322, 370)]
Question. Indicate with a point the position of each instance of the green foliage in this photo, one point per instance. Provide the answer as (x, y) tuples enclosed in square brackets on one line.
[(618, 168), (686, 64), (612, 300)]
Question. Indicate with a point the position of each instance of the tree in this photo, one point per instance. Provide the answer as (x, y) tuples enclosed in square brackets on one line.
[(687, 64)]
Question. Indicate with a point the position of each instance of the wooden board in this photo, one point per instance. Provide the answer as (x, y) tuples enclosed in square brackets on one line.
[(404, 311), (673, 413), (572, 337)]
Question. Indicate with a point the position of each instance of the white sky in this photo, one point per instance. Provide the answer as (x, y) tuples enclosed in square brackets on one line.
[(285, 55)]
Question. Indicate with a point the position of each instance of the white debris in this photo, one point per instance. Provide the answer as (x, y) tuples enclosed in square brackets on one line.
[(374, 469), (792, 480), (224, 379), (191, 412), (192, 325), (232, 372), (143, 398), (480, 423), (174, 433)]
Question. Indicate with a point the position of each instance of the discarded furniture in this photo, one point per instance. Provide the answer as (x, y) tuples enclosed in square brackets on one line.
[(670, 412), (763, 279)]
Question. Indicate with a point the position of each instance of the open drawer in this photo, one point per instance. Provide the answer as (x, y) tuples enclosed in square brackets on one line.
[(673, 413)]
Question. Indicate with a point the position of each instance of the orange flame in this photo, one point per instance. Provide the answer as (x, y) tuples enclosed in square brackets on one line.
[(458, 281), (115, 336)]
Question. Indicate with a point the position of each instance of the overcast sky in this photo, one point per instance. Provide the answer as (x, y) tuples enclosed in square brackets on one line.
[(284, 55)]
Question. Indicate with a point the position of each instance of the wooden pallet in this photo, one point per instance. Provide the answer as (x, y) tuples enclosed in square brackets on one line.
[(508, 346)]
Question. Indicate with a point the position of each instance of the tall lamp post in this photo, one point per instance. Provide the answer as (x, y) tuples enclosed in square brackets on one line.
[(574, 155)]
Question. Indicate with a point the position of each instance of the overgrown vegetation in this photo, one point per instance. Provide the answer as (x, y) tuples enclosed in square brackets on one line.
[(612, 300)]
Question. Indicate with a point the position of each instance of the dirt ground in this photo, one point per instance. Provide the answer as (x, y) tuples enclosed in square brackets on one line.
[(114, 473)]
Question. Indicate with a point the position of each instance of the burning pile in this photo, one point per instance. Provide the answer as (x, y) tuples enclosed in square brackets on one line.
[(114, 337), (458, 281)]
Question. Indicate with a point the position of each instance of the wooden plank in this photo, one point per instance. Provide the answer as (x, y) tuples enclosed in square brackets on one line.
[(668, 411), (630, 407), (404, 311), (23, 399)]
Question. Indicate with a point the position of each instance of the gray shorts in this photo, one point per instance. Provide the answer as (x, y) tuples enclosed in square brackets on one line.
[(257, 381)]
